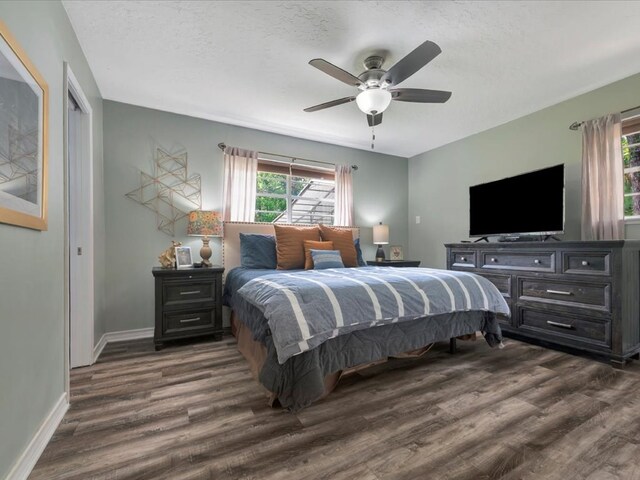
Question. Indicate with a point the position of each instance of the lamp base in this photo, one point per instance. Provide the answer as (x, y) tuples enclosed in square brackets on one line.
[(205, 252), (380, 254)]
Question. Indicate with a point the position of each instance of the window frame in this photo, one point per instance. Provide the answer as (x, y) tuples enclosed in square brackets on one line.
[(630, 126), (289, 171)]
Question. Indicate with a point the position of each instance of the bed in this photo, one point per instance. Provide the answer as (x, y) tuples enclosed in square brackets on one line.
[(302, 330)]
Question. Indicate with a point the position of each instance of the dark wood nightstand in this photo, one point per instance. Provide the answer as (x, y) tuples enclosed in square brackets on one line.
[(394, 263), (188, 303)]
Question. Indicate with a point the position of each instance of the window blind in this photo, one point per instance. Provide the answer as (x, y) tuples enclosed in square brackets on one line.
[(296, 170)]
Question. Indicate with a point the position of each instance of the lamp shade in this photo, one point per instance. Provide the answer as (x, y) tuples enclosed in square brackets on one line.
[(381, 234), (204, 223), (373, 100)]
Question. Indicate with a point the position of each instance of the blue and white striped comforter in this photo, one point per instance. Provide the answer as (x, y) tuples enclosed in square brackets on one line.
[(304, 309)]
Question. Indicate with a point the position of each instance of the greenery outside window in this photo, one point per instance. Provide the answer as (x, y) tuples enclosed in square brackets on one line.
[(631, 159), (288, 194)]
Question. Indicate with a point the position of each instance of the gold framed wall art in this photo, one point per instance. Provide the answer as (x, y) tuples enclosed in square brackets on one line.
[(24, 126)]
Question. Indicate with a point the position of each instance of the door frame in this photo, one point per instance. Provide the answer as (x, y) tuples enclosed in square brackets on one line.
[(82, 341)]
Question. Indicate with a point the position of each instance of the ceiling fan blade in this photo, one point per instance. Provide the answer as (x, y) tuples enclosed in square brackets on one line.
[(332, 103), (411, 63), (374, 120), (335, 72), (419, 95)]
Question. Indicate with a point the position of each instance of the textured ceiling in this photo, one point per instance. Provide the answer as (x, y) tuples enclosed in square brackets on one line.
[(245, 63)]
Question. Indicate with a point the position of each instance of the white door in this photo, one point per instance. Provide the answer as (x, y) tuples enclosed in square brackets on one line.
[(80, 226)]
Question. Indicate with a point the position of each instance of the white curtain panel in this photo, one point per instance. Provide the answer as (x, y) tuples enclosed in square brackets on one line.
[(602, 179), (344, 196), (239, 187)]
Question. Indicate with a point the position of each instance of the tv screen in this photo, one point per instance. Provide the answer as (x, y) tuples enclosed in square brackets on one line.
[(531, 203)]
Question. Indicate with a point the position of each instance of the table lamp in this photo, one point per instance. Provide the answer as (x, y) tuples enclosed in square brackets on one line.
[(380, 237), (205, 224)]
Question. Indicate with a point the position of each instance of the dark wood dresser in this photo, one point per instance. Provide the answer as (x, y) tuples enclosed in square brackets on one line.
[(188, 303), (581, 295)]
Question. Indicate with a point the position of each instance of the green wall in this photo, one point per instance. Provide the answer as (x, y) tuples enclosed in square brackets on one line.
[(439, 180), (32, 265), (131, 135)]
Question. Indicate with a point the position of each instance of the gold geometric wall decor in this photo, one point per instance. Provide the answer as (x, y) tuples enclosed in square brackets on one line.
[(171, 193)]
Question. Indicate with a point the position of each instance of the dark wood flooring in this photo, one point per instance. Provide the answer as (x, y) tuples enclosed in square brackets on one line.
[(194, 412)]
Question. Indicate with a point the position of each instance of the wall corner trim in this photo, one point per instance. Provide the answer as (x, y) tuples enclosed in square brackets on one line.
[(97, 350), (25, 463), (120, 336)]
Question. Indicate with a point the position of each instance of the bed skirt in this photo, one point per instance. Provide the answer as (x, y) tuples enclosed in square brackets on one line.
[(311, 383)]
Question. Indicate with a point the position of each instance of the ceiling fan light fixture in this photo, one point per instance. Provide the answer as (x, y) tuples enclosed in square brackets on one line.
[(373, 101)]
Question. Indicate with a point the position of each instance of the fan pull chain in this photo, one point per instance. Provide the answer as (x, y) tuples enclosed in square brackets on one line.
[(373, 136)]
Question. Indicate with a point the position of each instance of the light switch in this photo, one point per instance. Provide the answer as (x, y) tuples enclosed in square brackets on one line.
[(417, 219)]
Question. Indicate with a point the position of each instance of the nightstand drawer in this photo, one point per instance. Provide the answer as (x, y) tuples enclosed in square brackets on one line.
[(529, 261), (595, 296), (394, 263), (183, 322), (189, 291), (566, 328), (188, 303)]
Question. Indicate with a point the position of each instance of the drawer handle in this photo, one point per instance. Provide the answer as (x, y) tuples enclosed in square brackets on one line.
[(494, 260), (585, 263), (536, 261), (560, 292), (189, 320), (192, 292), (561, 325), (463, 259)]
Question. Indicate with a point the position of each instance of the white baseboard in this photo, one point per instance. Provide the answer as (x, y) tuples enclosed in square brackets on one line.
[(97, 350), (121, 336), (125, 335), (25, 463)]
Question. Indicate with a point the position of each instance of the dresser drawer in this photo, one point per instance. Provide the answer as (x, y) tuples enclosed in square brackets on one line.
[(178, 323), (529, 261), (502, 282), (565, 328), (463, 258), (504, 319), (594, 296), (586, 263), (180, 292)]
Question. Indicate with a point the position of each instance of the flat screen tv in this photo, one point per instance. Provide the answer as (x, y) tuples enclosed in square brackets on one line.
[(528, 204)]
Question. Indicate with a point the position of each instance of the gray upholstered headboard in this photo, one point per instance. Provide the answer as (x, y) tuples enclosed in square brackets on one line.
[(231, 239)]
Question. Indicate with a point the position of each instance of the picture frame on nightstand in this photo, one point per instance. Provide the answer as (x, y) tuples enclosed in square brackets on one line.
[(396, 252), (183, 257)]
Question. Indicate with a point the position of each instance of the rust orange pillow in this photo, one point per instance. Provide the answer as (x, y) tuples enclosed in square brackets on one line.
[(342, 239), (308, 245), (290, 245)]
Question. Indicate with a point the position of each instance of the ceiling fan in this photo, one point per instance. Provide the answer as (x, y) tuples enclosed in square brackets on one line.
[(378, 85)]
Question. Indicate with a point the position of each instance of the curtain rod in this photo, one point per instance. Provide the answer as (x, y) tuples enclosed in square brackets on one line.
[(577, 125), (222, 146)]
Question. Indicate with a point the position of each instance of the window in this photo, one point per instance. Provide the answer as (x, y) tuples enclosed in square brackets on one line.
[(631, 159), (288, 194)]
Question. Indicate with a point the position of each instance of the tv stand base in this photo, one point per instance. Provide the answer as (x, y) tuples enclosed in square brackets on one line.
[(486, 239)]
